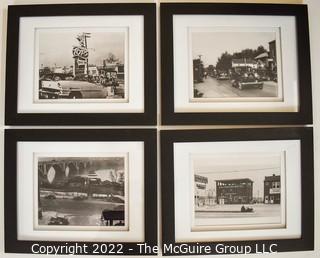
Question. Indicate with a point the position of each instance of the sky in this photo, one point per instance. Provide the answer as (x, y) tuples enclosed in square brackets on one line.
[(212, 44), (55, 46), (255, 166)]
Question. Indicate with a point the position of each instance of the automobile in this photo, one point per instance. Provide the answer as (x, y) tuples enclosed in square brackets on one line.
[(58, 221), (264, 77), (223, 76), (40, 216), (247, 81), (246, 209), (274, 77), (71, 89), (50, 197), (112, 217)]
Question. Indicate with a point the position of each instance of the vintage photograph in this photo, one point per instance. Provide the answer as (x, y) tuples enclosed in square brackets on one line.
[(86, 63), (238, 190), (238, 64), (82, 192)]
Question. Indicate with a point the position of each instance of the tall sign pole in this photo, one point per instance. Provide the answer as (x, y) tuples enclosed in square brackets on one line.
[(86, 35), (81, 54)]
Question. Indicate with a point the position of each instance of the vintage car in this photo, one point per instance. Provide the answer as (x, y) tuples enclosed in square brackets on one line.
[(112, 217), (246, 209), (58, 221), (223, 76), (50, 197), (248, 81), (71, 89)]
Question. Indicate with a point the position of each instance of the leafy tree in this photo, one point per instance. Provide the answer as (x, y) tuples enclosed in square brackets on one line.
[(112, 58), (210, 68), (224, 62), (247, 53), (260, 50)]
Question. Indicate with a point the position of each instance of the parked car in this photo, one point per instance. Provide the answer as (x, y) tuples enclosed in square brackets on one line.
[(58, 221), (50, 197), (247, 81), (246, 209), (71, 89), (112, 217), (223, 76), (264, 78)]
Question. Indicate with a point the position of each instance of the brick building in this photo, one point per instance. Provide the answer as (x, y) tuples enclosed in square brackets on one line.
[(272, 189), (234, 191)]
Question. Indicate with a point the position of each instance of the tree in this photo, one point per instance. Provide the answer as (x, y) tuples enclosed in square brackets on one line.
[(210, 67), (260, 50), (224, 62), (112, 58), (248, 53)]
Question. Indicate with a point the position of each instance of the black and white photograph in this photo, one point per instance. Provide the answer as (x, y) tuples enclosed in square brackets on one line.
[(81, 63), (239, 64), (239, 191), (81, 192)]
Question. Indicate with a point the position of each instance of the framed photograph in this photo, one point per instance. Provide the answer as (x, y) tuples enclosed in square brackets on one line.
[(96, 189), (235, 64), (81, 64), (237, 187)]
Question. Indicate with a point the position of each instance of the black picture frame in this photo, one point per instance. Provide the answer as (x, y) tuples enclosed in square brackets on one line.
[(305, 135), (148, 117), (170, 117), (13, 136)]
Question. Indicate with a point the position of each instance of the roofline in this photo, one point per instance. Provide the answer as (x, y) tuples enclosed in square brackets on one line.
[(241, 179)]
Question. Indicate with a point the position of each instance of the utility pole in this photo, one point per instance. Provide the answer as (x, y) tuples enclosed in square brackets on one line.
[(85, 36)]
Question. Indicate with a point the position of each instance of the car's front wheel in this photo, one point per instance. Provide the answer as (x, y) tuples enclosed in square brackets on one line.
[(75, 95)]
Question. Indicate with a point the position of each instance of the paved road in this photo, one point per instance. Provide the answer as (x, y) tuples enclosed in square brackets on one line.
[(79, 213), (213, 88), (260, 210)]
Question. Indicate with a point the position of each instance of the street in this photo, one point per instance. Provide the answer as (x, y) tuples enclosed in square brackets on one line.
[(213, 88), (78, 212), (233, 211)]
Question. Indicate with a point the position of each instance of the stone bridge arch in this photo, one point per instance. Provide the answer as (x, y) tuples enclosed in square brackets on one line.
[(71, 169), (55, 173)]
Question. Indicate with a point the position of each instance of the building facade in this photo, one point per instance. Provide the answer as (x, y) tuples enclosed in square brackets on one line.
[(200, 189), (272, 189), (198, 70), (234, 191), (243, 64)]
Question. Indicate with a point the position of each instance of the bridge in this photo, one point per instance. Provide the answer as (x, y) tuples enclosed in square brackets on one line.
[(60, 169)]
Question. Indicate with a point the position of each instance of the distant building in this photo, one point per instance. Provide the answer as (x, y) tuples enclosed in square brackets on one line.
[(272, 50), (200, 187), (198, 70), (112, 70), (272, 55), (120, 74), (272, 189), (93, 70), (234, 191), (262, 60), (58, 70), (243, 64)]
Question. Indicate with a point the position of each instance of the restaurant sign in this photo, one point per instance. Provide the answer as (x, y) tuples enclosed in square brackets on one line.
[(80, 52)]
